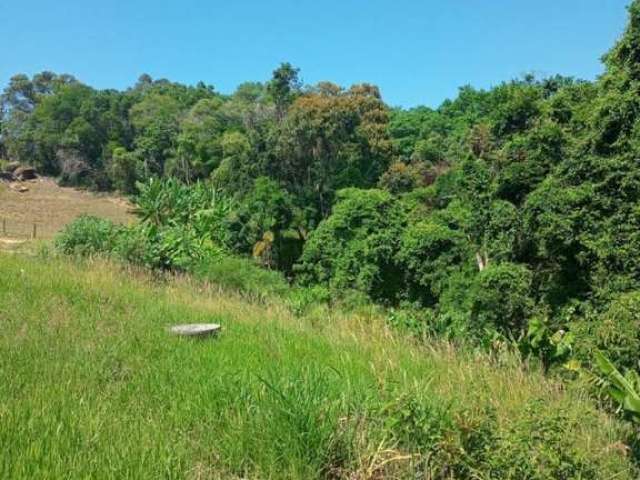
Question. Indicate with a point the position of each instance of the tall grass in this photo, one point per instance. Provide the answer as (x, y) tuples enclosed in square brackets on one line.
[(93, 386)]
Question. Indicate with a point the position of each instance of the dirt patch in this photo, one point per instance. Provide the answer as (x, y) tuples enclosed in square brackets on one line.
[(50, 207)]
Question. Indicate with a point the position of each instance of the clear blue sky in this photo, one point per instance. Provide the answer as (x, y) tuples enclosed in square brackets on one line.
[(416, 51)]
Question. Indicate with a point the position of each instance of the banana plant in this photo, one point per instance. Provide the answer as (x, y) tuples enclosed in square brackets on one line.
[(623, 389)]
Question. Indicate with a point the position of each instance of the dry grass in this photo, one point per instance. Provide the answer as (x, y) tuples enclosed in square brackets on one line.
[(51, 207)]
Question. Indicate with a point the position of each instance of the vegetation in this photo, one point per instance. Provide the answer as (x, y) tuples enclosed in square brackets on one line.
[(504, 221), (93, 383)]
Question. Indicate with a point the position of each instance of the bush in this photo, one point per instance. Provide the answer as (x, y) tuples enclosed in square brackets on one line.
[(500, 298), (180, 226), (135, 245), (429, 253), (418, 322), (455, 441), (547, 433), (243, 275), (355, 247), (615, 332), (88, 235), (302, 299)]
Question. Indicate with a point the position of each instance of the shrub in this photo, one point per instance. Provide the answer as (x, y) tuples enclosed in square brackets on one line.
[(355, 247), (500, 298), (615, 332), (180, 226), (301, 299), (241, 274), (179, 248), (450, 440), (417, 322), (135, 245), (429, 253), (547, 433), (88, 235), (417, 422)]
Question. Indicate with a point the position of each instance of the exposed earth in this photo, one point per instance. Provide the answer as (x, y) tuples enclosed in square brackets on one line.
[(50, 207)]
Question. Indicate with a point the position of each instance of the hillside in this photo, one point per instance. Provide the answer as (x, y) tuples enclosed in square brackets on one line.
[(51, 207), (93, 384)]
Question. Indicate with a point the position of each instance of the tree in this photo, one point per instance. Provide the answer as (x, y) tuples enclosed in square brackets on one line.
[(125, 170), (198, 145), (283, 87), (500, 299), (156, 123), (237, 170), (430, 253), (331, 140), (355, 247), (260, 223)]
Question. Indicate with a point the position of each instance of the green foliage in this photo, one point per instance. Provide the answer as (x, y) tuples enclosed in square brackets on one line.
[(623, 389), (355, 246), (418, 322), (500, 298), (544, 431), (170, 203), (401, 177), (283, 86), (260, 223), (301, 300), (235, 172), (180, 227), (198, 145), (88, 236), (615, 332), (274, 396), (549, 345), (125, 170), (242, 275), (430, 253)]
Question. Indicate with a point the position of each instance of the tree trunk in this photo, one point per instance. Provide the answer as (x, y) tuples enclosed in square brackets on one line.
[(482, 260)]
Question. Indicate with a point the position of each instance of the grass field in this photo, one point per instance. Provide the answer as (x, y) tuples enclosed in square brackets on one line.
[(51, 207), (93, 386)]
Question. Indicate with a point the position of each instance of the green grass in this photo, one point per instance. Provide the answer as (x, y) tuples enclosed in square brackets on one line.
[(94, 387)]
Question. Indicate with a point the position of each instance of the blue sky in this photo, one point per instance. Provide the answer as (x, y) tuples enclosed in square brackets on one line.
[(416, 51)]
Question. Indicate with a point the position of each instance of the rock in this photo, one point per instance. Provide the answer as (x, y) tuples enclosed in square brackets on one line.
[(18, 187), (196, 329), (25, 173), (11, 167), (7, 176)]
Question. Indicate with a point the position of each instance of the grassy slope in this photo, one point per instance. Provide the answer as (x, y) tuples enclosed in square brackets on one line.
[(93, 387)]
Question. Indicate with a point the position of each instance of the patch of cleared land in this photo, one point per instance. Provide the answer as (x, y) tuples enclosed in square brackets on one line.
[(51, 207)]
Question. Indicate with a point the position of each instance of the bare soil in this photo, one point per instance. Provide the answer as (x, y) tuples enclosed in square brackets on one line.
[(50, 207)]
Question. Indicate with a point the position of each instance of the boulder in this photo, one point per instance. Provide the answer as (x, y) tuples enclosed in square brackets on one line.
[(25, 173), (18, 187)]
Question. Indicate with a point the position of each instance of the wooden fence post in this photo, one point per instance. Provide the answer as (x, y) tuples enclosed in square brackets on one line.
[(4, 227), (33, 236)]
